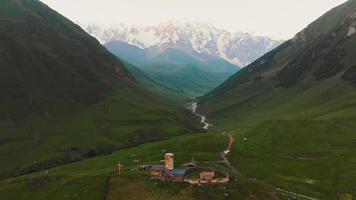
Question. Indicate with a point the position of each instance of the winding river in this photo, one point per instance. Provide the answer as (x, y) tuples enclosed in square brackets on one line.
[(193, 107)]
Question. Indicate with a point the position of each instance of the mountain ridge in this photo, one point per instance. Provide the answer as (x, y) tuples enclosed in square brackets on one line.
[(293, 111), (237, 48), (316, 62), (65, 98)]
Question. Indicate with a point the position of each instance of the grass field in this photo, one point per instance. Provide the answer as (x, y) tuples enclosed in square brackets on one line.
[(118, 122), (95, 178), (130, 186), (316, 158), (243, 108)]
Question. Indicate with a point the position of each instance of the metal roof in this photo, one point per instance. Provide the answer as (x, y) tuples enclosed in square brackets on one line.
[(188, 164), (158, 168), (178, 172)]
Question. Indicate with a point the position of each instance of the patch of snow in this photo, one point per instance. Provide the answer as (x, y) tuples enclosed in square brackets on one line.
[(237, 48), (352, 30), (147, 38)]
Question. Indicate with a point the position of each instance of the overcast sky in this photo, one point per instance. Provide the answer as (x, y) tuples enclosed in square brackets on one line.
[(279, 19)]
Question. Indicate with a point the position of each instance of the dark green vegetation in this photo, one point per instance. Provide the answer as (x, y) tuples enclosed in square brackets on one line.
[(64, 97), (184, 72), (95, 178), (296, 107)]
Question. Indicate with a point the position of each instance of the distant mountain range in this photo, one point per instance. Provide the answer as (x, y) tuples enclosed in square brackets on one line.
[(190, 58), (237, 48)]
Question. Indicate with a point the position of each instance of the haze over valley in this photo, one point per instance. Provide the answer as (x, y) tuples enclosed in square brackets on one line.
[(192, 58)]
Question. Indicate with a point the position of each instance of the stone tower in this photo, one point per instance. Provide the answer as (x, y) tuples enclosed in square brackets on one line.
[(168, 161)]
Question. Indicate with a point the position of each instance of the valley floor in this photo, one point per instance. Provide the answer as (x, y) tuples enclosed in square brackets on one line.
[(96, 178), (279, 159), (310, 159)]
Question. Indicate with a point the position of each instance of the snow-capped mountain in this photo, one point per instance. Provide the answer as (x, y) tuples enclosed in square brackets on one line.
[(238, 48)]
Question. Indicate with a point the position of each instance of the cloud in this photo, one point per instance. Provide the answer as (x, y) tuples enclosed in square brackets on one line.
[(277, 18)]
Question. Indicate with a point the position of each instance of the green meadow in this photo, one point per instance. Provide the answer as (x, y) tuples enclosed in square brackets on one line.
[(311, 157), (97, 178)]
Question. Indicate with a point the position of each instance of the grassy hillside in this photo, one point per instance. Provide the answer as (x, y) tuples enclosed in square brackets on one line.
[(118, 122), (306, 156), (64, 97), (309, 77), (96, 178), (247, 108), (151, 83), (293, 110)]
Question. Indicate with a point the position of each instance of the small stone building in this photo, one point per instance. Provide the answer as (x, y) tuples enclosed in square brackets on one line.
[(207, 175), (176, 175), (157, 170), (167, 173)]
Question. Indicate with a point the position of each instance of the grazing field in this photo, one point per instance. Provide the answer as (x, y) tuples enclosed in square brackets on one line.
[(133, 187), (80, 178), (95, 178), (312, 157)]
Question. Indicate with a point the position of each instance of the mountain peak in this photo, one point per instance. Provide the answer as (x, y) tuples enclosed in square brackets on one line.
[(238, 48)]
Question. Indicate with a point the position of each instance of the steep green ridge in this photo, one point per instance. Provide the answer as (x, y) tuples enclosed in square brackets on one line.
[(312, 76), (153, 84), (187, 73), (46, 59), (96, 178), (293, 111), (64, 97)]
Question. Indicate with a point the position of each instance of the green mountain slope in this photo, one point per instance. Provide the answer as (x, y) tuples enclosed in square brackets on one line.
[(64, 97), (151, 83), (293, 111), (311, 76), (186, 72)]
